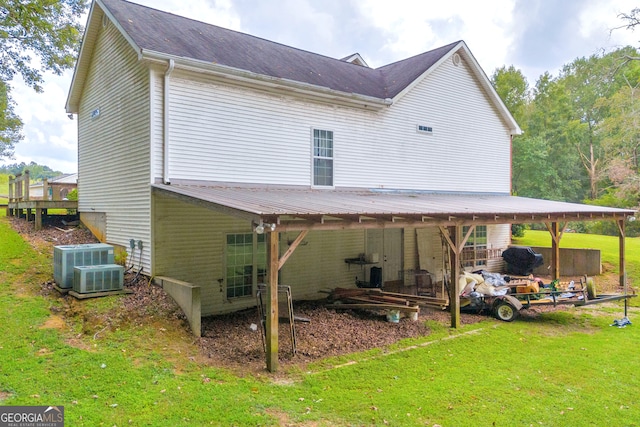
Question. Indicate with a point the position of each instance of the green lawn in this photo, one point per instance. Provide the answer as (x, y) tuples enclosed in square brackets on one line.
[(565, 368), (608, 245)]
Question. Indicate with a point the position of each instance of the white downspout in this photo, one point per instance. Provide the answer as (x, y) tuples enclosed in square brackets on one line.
[(165, 124)]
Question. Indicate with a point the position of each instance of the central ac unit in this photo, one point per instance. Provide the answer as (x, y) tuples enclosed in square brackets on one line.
[(98, 278), (66, 257)]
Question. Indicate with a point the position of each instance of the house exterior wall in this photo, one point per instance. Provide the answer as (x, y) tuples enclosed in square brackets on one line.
[(113, 145), (189, 245), (233, 134), (499, 237)]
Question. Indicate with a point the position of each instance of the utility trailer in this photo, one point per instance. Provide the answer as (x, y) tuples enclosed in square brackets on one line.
[(507, 307)]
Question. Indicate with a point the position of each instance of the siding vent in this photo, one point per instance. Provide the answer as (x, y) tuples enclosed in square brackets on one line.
[(425, 129)]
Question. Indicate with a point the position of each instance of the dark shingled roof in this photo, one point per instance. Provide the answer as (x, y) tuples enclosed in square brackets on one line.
[(161, 32)]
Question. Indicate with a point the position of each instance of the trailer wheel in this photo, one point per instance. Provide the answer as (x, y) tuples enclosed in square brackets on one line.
[(505, 311)]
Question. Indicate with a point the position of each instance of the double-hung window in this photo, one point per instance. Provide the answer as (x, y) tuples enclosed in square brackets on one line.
[(323, 158), (474, 253), (246, 263)]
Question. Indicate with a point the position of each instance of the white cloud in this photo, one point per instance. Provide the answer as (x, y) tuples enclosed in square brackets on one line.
[(415, 27)]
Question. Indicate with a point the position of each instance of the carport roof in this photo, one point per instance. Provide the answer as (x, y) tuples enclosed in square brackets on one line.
[(299, 208)]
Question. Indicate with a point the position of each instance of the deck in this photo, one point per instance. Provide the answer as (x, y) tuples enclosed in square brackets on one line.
[(20, 204)]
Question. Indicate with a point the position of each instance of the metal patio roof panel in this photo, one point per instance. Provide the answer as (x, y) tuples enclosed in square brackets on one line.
[(301, 202)]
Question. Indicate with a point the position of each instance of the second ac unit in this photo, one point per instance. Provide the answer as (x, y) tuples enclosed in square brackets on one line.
[(98, 278)]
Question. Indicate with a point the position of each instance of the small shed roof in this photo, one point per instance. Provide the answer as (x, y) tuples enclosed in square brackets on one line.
[(297, 208)]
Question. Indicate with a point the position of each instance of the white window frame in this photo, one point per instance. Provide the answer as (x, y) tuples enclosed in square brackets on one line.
[(315, 157), (475, 254), (256, 260)]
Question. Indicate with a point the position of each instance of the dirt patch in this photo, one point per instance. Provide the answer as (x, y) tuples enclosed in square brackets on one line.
[(54, 322)]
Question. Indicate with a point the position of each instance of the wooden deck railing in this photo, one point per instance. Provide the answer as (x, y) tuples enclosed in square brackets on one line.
[(19, 187), (21, 204)]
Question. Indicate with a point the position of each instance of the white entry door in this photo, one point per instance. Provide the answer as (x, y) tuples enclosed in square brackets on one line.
[(387, 243)]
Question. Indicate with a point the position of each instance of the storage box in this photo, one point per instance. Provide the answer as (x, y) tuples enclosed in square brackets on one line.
[(529, 288)]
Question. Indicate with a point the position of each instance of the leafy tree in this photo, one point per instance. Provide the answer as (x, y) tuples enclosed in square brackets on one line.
[(513, 88), (10, 124), (35, 36), (552, 157)]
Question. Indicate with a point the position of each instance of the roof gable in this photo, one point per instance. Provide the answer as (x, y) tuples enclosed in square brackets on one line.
[(159, 35), (355, 59)]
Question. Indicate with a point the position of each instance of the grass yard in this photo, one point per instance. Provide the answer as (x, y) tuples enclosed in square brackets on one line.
[(4, 189), (563, 368)]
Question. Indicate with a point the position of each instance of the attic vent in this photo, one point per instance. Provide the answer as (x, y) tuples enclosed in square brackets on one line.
[(425, 129), (105, 21), (456, 59)]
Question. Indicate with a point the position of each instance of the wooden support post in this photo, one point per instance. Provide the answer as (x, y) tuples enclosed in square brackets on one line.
[(26, 181), (38, 224), (456, 245), (454, 304), (623, 267), (555, 251), (272, 302), (10, 211)]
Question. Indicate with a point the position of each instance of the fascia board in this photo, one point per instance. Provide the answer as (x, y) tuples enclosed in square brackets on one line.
[(268, 82)]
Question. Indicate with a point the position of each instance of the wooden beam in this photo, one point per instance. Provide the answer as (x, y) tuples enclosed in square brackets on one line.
[(454, 303), (455, 250), (557, 237), (38, 220), (555, 251), (623, 268), (292, 248), (272, 302)]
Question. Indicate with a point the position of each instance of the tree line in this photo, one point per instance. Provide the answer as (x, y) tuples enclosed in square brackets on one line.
[(581, 132), (36, 172)]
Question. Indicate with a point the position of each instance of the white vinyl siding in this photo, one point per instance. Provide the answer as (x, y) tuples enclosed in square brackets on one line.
[(499, 238), (231, 134), (113, 148)]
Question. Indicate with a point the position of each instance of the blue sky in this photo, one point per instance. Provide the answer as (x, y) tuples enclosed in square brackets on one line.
[(533, 35)]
